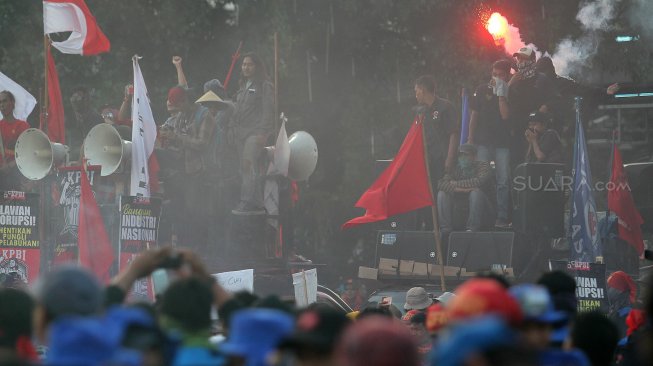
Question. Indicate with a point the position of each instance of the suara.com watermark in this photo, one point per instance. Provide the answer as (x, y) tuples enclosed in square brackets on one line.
[(563, 183)]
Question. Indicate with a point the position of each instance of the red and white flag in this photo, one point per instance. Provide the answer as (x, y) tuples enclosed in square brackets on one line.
[(25, 102), (74, 16), (143, 138)]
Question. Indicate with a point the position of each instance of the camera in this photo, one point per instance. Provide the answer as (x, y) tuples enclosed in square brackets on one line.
[(172, 262)]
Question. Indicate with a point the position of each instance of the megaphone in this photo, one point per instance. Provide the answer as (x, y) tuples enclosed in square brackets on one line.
[(105, 147), (303, 156), (36, 155)]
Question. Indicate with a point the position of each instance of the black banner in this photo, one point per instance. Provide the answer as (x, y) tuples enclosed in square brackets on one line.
[(591, 284)]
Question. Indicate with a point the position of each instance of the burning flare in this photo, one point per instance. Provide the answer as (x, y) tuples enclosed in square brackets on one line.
[(497, 25)]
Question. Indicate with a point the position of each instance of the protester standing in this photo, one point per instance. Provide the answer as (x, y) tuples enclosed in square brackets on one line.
[(10, 129)]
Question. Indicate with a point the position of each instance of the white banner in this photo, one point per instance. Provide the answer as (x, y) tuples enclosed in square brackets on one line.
[(235, 281), (305, 283), (143, 135)]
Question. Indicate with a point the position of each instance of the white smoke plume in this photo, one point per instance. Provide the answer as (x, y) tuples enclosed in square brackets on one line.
[(595, 17), (640, 15)]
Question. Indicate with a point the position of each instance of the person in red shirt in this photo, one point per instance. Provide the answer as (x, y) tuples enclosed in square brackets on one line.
[(10, 129)]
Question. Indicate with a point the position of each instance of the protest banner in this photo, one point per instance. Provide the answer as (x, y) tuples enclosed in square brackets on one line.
[(305, 283), (69, 191), (590, 284), (139, 227), (235, 281), (20, 246)]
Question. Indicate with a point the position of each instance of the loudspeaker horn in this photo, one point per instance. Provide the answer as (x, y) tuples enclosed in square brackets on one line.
[(105, 147), (36, 155), (303, 156)]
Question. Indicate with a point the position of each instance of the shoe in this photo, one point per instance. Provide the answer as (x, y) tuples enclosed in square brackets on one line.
[(501, 224), (248, 209)]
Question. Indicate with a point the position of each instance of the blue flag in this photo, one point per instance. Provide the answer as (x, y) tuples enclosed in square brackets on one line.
[(585, 239), (466, 114)]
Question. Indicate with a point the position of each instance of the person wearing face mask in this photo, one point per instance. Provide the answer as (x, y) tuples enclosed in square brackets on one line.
[(544, 144), (528, 90), (467, 181)]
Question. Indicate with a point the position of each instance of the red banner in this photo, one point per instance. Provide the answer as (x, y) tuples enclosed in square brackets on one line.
[(20, 246)]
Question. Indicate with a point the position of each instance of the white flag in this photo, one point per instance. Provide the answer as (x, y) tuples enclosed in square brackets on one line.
[(25, 102), (281, 153), (143, 135)]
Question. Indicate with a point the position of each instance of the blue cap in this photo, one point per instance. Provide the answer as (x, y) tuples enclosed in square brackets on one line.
[(536, 304), (91, 341), (254, 333), (559, 335), (470, 337)]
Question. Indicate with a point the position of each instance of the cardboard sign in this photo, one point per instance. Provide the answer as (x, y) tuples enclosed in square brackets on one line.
[(591, 284), (139, 227), (305, 283), (20, 246), (235, 281)]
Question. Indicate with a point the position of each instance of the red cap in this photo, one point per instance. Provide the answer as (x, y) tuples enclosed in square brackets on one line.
[(483, 296), (436, 317), (177, 96), (623, 282)]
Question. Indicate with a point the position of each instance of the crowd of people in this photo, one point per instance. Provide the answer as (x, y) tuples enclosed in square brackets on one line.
[(70, 319)]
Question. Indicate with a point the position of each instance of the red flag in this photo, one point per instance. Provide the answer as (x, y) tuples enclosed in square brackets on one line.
[(95, 251), (403, 186), (620, 201), (55, 122), (86, 37)]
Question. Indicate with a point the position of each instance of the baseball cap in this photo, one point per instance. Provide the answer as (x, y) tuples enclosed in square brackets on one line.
[(377, 340), (70, 290), (536, 304), (524, 51), (254, 333), (484, 296), (445, 298), (318, 329), (417, 298), (538, 116)]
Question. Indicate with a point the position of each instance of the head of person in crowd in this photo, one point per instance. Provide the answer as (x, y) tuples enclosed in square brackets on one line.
[(525, 58), (252, 69), (437, 318), (482, 296), (562, 288), (177, 99), (375, 309), (466, 157), (213, 102), (445, 298), (417, 326), (417, 299), (143, 335), (622, 290), (492, 275), (316, 334), (109, 115), (545, 66), (486, 340), (540, 316), (595, 335), (16, 308), (240, 300), (501, 70), (67, 291), (538, 122), (216, 86), (7, 104), (80, 100), (186, 308), (425, 90), (378, 341), (255, 336)]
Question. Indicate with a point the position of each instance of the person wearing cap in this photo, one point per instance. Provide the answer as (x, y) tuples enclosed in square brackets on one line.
[(253, 122), (10, 129), (544, 145), (417, 299), (316, 334), (540, 315), (528, 91), (622, 294), (467, 181), (188, 136), (489, 129)]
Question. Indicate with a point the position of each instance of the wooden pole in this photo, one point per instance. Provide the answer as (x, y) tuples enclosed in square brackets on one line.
[(44, 120), (308, 74), (434, 212), (328, 46), (276, 80)]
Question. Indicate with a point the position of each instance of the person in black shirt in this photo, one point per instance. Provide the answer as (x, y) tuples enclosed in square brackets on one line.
[(489, 130), (440, 127), (544, 145)]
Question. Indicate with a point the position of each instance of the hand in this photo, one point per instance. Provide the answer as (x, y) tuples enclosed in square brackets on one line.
[(176, 60), (470, 140), (192, 265), (501, 87), (530, 136), (129, 90), (515, 77), (143, 265), (612, 89), (544, 108)]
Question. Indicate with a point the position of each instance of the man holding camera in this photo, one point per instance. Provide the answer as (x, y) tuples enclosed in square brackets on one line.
[(544, 145)]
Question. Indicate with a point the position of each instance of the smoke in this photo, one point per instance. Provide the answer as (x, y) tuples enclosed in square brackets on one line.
[(640, 15), (595, 17), (513, 40)]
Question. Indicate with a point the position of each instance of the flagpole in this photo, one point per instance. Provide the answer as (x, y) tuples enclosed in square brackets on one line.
[(434, 212), (44, 121), (276, 80)]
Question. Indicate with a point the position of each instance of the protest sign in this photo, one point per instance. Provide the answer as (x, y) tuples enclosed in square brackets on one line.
[(590, 284), (20, 246), (305, 283), (139, 225), (235, 281)]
